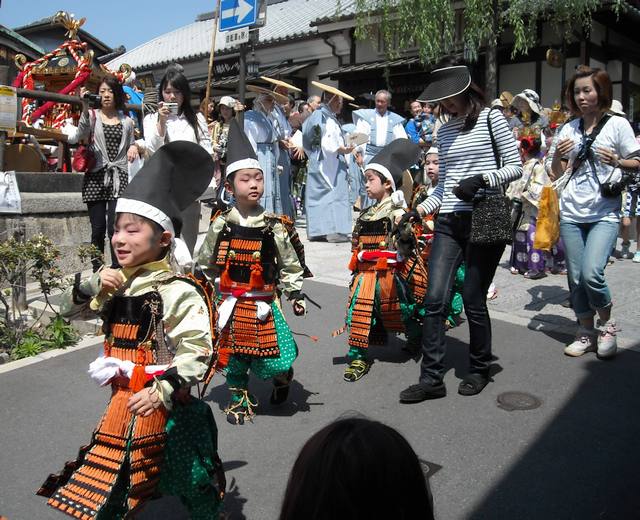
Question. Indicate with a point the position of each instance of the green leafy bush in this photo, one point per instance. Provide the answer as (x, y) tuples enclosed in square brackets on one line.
[(35, 259)]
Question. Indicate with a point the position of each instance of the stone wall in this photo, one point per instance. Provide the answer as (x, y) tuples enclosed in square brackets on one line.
[(52, 205)]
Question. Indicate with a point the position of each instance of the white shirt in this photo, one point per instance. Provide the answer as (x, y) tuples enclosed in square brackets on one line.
[(380, 139), (177, 129), (581, 200), (332, 139)]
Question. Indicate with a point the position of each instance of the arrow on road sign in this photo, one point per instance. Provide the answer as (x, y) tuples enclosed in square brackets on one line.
[(237, 13)]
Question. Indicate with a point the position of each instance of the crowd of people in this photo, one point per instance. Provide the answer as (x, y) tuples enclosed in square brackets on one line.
[(440, 197)]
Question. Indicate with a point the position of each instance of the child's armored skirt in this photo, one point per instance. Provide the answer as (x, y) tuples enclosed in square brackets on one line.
[(265, 346), (386, 298), (123, 465)]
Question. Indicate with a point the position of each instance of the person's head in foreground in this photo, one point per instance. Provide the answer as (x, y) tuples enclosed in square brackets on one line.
[(357, 469), (148, 214), (245, 180)]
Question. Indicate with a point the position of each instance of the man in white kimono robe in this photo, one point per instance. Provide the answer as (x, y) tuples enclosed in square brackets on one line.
[(327, 190), (382, 126)]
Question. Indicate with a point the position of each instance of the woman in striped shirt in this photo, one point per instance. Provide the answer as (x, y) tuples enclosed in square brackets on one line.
[(467, 166)]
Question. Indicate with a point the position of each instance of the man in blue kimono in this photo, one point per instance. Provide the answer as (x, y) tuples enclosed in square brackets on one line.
[(284, 132), (327, 190), (355, 173), (258, 125), (382, 126)]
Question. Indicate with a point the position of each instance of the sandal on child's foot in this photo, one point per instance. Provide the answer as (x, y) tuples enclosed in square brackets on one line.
[(472, 384), (241, 406), (356, 370), (281, 386)]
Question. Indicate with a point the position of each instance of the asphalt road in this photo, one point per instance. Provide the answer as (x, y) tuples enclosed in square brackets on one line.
[(574, 457)]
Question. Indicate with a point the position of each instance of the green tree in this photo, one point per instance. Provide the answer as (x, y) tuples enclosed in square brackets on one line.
[(431, 25)]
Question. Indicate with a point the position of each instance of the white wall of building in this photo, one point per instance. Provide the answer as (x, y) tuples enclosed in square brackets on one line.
[(515, 77)]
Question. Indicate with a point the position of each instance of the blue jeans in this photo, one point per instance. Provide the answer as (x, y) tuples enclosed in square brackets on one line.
[(587, 248), (451, 246)]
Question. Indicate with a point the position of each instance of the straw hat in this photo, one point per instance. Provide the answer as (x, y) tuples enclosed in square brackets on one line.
[(332, 90), (281, 83), (261, 90), (506, 98), (445, 83)]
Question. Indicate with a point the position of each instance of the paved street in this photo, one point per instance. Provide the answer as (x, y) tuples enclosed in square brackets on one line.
[(574, 457)]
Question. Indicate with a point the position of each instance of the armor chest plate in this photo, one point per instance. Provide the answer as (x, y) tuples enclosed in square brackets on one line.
[(239, 247), (132, 320), (373, 234)]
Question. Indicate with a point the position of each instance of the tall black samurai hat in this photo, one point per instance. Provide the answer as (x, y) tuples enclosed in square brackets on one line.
[(168, 183)]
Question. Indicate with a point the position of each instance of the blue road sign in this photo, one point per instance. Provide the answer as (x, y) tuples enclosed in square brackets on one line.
[(235, 14)]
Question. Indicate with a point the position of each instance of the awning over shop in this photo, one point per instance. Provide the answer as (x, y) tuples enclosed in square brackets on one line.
[(370, 66), (230, 82)]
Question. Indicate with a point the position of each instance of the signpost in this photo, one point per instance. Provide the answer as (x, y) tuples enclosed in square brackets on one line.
[(235, 14)]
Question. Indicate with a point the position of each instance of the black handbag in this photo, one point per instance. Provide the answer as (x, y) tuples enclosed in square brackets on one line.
[(491, 218)]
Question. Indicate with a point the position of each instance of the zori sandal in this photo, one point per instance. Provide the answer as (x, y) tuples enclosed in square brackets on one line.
[(356, 370)]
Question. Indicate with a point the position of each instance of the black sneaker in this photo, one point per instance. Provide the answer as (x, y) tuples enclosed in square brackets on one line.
[(473, 384), (422, 392)]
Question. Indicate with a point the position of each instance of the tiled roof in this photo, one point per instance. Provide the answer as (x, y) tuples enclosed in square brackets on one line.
[(373, 65), (84, 35), (344, 10), (35, 23), (21, 39), (286, 20)]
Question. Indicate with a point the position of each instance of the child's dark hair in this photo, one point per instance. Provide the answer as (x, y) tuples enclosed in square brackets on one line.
[(348, 462)]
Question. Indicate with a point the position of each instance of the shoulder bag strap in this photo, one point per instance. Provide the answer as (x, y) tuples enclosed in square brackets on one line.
[(494, 147)]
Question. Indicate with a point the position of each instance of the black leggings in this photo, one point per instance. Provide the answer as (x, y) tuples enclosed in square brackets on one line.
[(451, 247), (102, 215)]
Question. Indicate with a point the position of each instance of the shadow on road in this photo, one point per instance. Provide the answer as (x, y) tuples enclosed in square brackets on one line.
[(555, 322), (543, 295), (584, 464), (298, 400)]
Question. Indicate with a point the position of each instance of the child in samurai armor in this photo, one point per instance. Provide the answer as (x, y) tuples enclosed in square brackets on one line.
[(153, 438), (424, 232), (389, 277), (246, 254)]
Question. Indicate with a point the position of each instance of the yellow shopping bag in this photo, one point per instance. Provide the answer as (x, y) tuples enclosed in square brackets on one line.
[(548, 221)]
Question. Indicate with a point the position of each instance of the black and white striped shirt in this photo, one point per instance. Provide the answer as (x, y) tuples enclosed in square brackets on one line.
[(465, 154)]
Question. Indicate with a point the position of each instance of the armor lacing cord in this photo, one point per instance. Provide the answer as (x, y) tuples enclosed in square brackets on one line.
[(243, 408)]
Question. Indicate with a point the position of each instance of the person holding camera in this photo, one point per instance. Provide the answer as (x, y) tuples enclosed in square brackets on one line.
[(592, 151), (176, 120), (111, 134)]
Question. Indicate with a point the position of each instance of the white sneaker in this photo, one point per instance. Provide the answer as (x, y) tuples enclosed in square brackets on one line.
[(607, 342), (585, 342)]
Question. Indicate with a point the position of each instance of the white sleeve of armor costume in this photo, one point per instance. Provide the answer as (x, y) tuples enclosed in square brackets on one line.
[(188, 332), (291, 272)]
